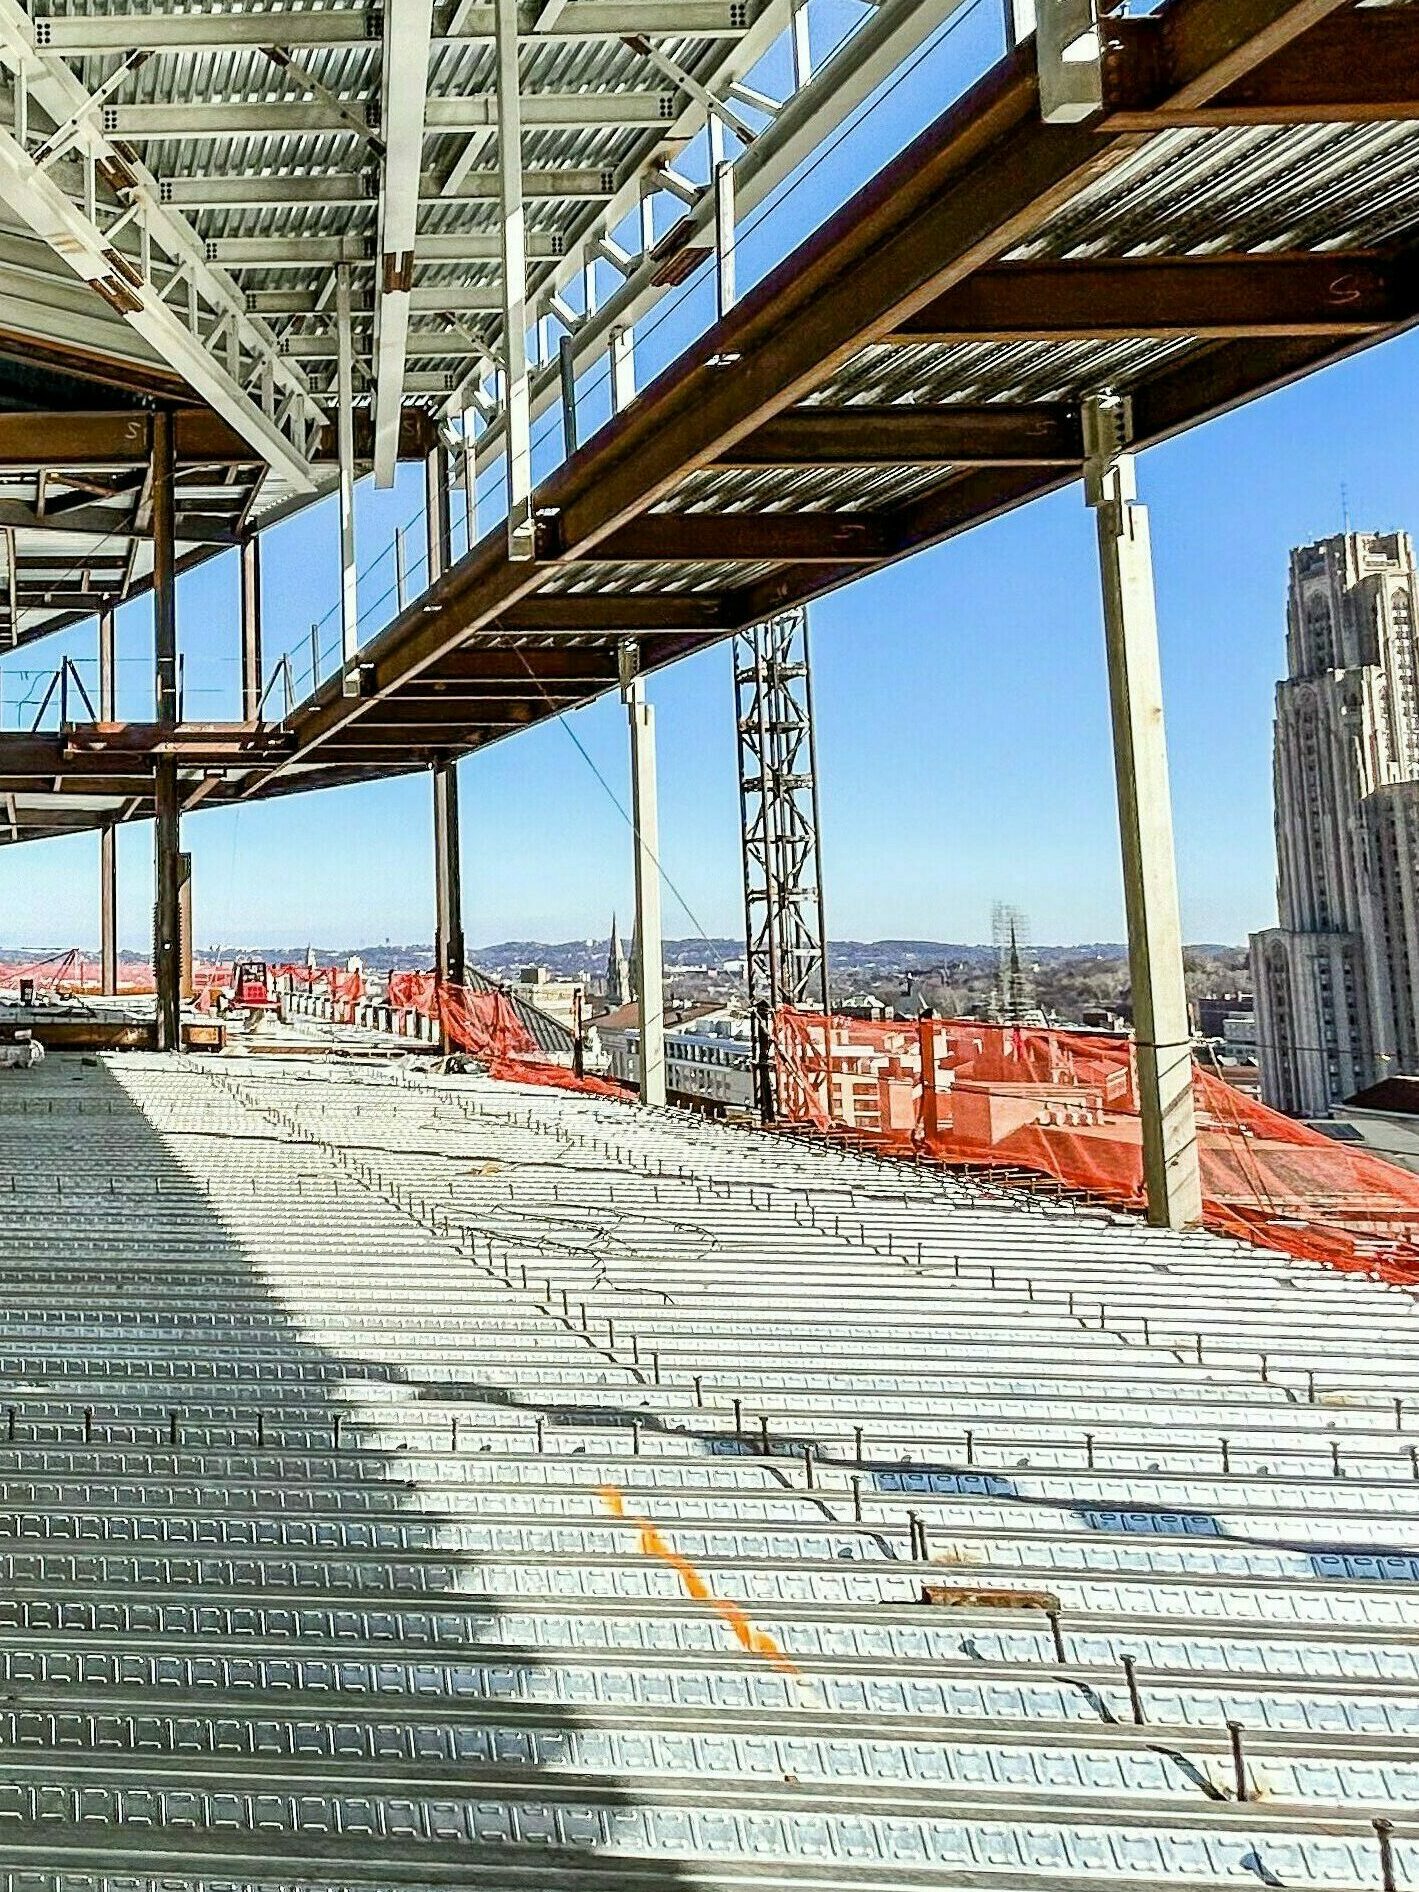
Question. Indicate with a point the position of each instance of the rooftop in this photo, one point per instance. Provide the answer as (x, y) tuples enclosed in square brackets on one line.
[(421, 1482)]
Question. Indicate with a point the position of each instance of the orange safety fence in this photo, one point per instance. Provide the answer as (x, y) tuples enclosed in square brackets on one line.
[(486, 1026), (1065, 1104), (414, 992), (76, 974), (345, 988)]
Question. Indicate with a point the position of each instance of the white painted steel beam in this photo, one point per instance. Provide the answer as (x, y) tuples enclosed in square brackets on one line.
[(407, 26), (276, 118), (214, 30), (452, 298), (256, 191), (443, 246), (281, 416), (421, 344)]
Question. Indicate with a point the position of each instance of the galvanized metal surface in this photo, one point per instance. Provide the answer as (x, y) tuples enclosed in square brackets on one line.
[(310, 1574)]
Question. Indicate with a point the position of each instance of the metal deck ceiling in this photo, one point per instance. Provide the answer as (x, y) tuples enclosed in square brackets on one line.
[(322, 1390), (1240, 212)]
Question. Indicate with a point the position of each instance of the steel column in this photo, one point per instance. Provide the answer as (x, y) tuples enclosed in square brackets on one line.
[(1069, 50), (725, 238), (345, 446), (167, 841), (251, 680), (108, 836), (438, 513), (167, 917), (645, 823), (184, 926), (1019, 20), (470, 479), (566, 371), (449, 950), (623, 368), (164, 569), (522, 544), (1162, 1035), (449, 956)]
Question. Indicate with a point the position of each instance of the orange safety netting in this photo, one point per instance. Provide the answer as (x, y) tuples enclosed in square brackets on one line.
[(74, 974), (486, 1025), (346, 989), (413, 992), (1065, 1104)]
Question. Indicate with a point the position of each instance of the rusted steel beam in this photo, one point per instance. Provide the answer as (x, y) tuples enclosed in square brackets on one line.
[(129, 745), (1349, 65), (746, 537), (115, 437), (599, 611), (1037, 435), (121, 437), (479, 664), (1209, 297), (1188, 55), (399, 718), (27, 758)]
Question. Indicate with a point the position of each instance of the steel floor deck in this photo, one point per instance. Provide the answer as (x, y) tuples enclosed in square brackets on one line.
[(415, 1482)]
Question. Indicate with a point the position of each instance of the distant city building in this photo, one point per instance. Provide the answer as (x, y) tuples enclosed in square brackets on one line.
[(1337, 981), (561, 999), (618, 971), (1211, 1012)]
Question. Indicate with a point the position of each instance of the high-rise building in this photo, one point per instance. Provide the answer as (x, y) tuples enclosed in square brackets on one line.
[(1337, 982)]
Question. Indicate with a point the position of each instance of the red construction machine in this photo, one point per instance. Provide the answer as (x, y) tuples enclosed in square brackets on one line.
[(252, 988)]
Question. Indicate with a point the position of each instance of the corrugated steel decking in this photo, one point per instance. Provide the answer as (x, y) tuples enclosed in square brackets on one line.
[(310, 1576)]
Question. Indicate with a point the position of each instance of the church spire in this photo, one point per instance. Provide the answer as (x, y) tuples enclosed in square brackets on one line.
[(618, 973)]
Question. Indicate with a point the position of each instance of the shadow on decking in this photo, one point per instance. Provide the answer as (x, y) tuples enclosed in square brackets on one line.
[(120, 1754)]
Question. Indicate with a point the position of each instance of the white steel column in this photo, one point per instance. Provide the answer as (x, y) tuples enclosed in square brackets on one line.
[(650, 990), (802, 46), (1019, 20), (108, 834), (1163, 1039), (408, 26), (345, 440), (725, 237), (623, 368), (517, 390), (469, 467), (1070, 56)]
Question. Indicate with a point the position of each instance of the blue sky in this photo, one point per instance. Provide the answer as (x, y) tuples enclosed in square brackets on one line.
[(962, 713)]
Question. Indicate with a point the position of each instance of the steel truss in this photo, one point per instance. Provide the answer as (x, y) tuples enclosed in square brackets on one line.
[(161, 281), (778, 794)]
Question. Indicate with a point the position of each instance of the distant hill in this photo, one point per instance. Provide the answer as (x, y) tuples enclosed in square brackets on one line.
[(678, 952)]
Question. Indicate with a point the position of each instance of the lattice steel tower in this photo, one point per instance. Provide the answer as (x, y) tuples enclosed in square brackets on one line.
[(778, 790)]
